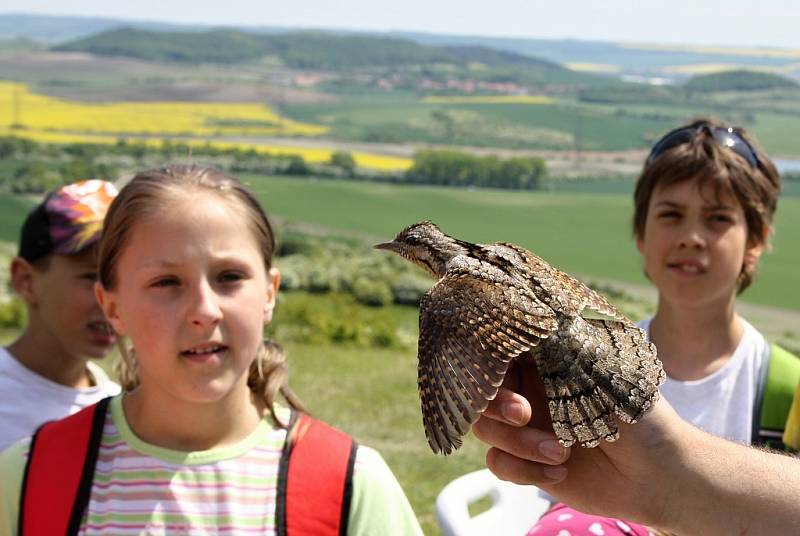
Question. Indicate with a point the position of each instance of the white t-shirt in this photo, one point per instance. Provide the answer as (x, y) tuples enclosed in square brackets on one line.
[(28, 399), (722, 403)]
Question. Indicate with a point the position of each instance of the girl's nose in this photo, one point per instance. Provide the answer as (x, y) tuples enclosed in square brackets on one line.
[(204, 309)]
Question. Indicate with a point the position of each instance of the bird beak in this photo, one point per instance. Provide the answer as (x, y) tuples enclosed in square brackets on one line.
[(391, 246)]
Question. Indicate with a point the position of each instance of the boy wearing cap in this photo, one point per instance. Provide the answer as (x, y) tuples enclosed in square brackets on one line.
[(46, 373)]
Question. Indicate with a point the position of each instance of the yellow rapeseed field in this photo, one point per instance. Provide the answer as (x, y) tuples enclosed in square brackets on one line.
[(605, 68), (48, 120), (490, 99), (39, 112), (759, 52)]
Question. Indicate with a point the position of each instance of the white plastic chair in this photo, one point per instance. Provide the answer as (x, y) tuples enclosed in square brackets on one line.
[(514, 510)]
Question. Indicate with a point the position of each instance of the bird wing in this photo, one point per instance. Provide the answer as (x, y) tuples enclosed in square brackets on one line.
[(567, 295), (470, 327)]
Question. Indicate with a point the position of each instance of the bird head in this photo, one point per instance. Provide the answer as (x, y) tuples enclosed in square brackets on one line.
[(425, 245)]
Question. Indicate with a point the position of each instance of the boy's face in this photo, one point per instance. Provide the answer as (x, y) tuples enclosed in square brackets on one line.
[(695, 244), (62, 302)]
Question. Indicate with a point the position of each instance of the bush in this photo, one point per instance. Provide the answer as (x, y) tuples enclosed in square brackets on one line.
[(408, 289), (13, 313), (335, 318), (371, 292)]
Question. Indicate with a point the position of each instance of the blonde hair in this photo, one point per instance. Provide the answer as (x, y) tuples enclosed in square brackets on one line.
[(151, 191)]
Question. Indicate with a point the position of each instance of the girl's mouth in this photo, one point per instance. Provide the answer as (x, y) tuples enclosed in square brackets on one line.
[(204, 352)]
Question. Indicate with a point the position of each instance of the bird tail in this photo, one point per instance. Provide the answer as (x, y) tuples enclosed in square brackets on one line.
[(594, 369)]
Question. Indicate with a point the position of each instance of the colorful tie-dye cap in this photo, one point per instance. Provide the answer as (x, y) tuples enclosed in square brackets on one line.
[(68, 221)]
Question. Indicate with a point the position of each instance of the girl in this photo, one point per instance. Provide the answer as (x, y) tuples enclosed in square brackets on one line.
[(198, 443)]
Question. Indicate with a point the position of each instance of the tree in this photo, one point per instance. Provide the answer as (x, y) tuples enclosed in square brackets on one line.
[(297, 166), (344, 161)]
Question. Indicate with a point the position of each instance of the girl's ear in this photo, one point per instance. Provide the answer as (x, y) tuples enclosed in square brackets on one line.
[(273, 284), (108, 303)]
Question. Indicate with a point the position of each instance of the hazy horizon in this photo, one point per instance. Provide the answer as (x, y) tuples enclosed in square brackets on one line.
[(770, 24)]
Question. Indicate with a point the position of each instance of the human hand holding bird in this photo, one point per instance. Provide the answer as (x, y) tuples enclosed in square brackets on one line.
[(498, 302)]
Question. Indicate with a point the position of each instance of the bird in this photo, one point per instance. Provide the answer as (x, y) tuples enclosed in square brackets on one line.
[(494, 303)]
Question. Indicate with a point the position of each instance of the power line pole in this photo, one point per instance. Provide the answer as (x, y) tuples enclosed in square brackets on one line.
[(16, 122)]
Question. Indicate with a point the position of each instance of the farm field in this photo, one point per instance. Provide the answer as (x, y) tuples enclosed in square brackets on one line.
[(20, 106), (586, 234), (41, 118), (562, 124)]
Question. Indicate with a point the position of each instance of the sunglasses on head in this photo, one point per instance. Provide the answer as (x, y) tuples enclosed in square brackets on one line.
[(726, 136)]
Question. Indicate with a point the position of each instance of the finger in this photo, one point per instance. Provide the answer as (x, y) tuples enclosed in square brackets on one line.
[(509, 407), (525, 443), (508, 467)]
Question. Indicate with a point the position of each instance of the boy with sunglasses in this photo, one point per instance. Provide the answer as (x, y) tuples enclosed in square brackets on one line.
[(46, 373), (703, 210)]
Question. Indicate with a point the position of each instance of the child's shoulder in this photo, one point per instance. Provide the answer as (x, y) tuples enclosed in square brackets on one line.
[(12, 470)]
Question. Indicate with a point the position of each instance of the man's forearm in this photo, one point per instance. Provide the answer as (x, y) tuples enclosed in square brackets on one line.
[(727, 488)]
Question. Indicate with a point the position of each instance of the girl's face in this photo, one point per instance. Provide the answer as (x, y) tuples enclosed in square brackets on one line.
[(193, 295), (695, 244)]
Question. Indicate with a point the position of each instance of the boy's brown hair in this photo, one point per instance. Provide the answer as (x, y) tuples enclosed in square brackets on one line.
[(755, 185)]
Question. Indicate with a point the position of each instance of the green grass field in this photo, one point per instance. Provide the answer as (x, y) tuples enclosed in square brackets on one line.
[(13, 209), (585, 234), (371, 393), (550, 126), (561, 125)]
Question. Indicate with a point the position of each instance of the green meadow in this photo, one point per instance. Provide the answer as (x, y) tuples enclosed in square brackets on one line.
[(564, 124), (587, 234), (13, 209)]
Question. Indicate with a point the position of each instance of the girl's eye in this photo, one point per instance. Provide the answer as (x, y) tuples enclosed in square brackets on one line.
[(166, 282), (230, 277)]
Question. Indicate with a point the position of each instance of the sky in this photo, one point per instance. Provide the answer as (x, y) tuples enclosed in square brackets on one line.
[(739, 23)]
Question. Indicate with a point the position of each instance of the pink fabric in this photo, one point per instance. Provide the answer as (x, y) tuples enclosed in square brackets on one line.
[(561, 520)]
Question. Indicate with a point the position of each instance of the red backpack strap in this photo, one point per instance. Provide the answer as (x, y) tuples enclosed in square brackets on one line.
[(315, 480), (59, 472)]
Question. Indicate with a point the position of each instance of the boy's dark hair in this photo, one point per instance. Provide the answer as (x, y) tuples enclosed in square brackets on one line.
[(755, 185)]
